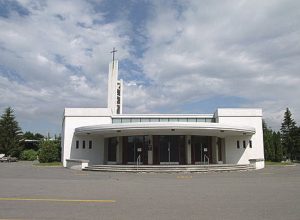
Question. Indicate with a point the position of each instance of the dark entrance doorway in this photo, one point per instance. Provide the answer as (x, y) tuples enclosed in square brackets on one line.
[(112, 149), (201, 150), (170, 149), (134, 147)]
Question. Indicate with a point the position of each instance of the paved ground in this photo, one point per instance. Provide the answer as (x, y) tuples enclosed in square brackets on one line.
[(59, 193)]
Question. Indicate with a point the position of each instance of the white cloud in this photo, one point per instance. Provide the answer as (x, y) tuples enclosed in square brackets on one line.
[(247, 49), (60, 53)]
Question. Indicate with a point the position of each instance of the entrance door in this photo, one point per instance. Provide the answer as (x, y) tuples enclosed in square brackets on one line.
[(112, 150), (201, 150), (137, 146), (164, 149), (169, 149), (134, 148)]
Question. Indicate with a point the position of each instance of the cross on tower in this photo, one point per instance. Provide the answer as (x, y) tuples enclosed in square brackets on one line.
[(113, 56)]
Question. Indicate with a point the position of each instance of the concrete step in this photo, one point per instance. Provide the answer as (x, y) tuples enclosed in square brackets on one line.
[(168, 168), (172, 166)]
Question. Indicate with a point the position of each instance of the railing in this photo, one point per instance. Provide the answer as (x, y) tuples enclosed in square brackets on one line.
[(138, 163), (206, 158)]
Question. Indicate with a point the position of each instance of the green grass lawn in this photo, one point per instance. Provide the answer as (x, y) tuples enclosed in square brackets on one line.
[(278, 163), (52, 164)]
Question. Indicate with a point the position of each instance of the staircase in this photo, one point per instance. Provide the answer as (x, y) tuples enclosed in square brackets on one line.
[(170, 168)]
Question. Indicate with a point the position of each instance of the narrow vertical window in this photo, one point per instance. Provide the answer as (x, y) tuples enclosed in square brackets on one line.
[(77, 144), (244, 144), (90, 144), (250, 144), (238, 144), (83, 144)]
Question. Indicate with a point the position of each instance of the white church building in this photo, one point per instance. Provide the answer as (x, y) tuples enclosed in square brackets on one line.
[(99, 136)]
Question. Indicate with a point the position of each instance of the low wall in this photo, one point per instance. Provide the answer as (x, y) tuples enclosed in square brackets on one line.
[(77, 164), (258, 163)]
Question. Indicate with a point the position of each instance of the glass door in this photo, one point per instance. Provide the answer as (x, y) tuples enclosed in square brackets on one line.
[(135, 149), (169, 149), (201, 150), (164, 149)]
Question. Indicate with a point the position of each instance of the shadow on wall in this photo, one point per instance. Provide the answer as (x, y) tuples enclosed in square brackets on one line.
[(87, 147)]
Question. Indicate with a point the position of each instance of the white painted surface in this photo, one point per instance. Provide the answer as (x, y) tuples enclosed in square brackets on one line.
[(77, 164), (79, 117), (150, 152), (242, 117), (188, 149), (112, 86), (259, 165), (192, 128)]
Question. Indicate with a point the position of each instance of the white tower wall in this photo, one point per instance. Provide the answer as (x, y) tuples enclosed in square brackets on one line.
[(114, 96)]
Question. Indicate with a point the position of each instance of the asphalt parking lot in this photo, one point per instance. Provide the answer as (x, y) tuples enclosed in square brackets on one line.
[(30, 192)]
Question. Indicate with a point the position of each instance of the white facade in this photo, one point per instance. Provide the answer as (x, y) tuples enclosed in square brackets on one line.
[(229, 136)]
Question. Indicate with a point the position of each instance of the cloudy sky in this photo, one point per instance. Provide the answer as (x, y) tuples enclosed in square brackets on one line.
[(174, 56)]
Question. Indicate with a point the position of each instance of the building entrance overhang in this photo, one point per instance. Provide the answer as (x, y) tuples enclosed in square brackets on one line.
[(159, 128)]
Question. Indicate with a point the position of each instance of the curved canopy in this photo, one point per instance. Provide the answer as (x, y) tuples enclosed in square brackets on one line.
[(170, 128)]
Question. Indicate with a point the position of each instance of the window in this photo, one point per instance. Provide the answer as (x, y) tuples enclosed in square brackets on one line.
[(154, 119), (182, 119), (77, 144), (163, 119), (135, 120), (244, 144), (83, 144), (192, 120), (126, 120), (145, 119), (90, 144), (238, 144), (116, 120), (250, 144)]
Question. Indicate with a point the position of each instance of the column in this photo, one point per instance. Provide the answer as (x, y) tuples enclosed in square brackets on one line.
[(188, 149), (119, 150), (214, 145), (150, 150)]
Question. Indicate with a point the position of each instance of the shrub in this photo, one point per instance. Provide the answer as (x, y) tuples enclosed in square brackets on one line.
[(28, 155), (49, 151)]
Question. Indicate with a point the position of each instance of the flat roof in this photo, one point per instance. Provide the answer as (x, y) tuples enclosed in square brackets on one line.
[(170, 128), (163, 116)]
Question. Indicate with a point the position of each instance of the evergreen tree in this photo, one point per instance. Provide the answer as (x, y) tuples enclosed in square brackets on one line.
[(10, 133), (296, 136), (268, 143), (278, 154), (287, 129)]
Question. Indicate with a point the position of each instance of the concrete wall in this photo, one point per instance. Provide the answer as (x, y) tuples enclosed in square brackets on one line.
[(78, 117), (246, 117), (95, 155)]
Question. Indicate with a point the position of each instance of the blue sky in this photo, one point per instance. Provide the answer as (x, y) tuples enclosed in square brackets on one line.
[(186, 56)]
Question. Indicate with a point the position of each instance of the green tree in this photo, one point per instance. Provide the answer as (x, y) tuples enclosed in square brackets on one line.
[(31, 136), (49, 151), (296, 137), (10, 134), (287, 129), (276, 139), (268, 142), (28, 155), (28, 135)]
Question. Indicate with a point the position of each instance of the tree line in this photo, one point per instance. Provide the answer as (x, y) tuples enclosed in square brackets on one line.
[(284, 144), (26, 146)]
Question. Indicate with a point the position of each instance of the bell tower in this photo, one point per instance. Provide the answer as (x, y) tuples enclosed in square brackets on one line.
[(115, 87)]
